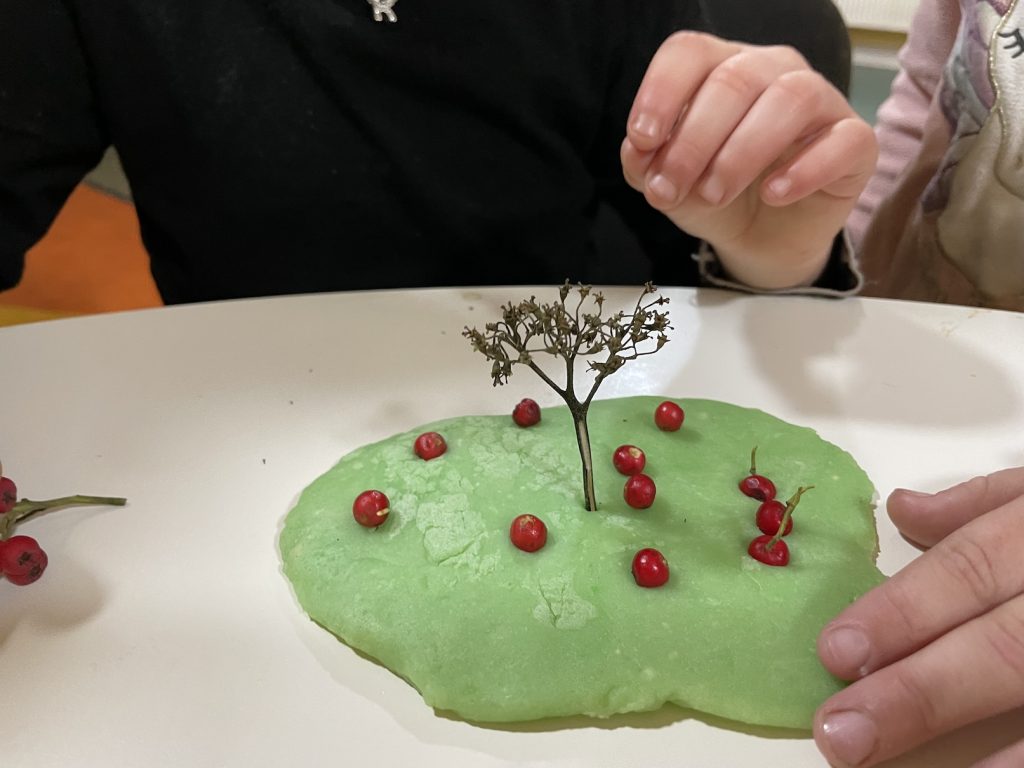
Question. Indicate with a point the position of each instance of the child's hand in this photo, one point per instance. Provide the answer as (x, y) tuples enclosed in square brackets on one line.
[(748, 148), (940, 644)]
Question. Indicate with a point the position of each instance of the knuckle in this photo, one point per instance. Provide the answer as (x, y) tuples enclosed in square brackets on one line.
[(904, 609), (802, 87), (969, 563), (688, 38), (686, 159), (863, 139), (1005, 635), (922, 705), (978, 487), (789, 55), (735, 76), (729, 166)]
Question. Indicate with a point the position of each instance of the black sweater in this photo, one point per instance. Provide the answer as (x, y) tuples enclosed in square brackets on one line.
[(286, 146)]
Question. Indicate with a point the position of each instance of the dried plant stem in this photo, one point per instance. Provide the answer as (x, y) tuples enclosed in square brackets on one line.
[(527, 328), (27, 507)]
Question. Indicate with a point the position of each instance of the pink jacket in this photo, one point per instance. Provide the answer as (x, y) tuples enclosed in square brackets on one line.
[(943, 218)]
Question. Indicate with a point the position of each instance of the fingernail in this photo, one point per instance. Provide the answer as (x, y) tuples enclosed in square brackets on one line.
[(849, 648), (780, 186), (713, 190), (645, 125), (850, 736), (662, 187), (915, 494)]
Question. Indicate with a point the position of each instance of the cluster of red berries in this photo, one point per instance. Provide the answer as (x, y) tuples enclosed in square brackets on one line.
[(640, 490), (22, 560), (649, 566), (528, 532), (774, 519)]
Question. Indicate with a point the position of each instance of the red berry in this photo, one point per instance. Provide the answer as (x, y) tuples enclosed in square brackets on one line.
[(371, 508), (8, 495), (528, 533), (629, 460), (769, 517), (650, 568), (22, 560), (639, 491), (33, 574), (526, 413), (754, 485), (758, 487), (429, 446), (777, 555), (668, 416)]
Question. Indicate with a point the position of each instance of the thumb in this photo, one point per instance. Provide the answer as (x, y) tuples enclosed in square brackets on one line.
[(928, 518)]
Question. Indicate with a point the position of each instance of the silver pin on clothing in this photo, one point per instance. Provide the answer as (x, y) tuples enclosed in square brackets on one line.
[(382, 9)]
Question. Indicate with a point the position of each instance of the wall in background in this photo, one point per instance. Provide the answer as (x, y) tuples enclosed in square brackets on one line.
[(882, 15), (109, 177), (868, 89)]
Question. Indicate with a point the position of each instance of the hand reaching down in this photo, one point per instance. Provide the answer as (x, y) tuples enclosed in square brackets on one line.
[(750, 149)]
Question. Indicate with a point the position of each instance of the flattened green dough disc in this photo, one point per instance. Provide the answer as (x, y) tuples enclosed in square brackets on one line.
[(439, 595)]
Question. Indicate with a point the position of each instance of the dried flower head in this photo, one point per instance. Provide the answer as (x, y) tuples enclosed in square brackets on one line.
[(571, 331)]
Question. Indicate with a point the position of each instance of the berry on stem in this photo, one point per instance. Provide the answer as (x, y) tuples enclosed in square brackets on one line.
[(528, 533), (430, 445), (629, 460), (769, 517), (526, 413), (650, 568), (28, 507), (22, 560), (757, 486), (8, 495), (668, 416), (371, 508), (772, 550), (639, 491), (762, 550)]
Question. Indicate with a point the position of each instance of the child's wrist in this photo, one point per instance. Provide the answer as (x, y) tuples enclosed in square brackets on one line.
[(774, 269)]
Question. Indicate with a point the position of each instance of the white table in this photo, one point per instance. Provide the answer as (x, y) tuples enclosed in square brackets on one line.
[(163, 633)]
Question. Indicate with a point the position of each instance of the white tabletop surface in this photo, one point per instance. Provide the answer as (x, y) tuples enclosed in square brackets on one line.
[(164, 634)]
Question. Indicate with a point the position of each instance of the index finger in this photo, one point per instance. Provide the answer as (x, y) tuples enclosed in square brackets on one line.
[(675, 73), (928, 518), (965, 575)]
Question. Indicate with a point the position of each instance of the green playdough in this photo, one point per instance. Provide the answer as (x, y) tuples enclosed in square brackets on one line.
[(439, 595)]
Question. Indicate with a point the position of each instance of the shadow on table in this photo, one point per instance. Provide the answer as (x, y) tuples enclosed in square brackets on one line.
[(829, 362), (66, 596), (963, 747)]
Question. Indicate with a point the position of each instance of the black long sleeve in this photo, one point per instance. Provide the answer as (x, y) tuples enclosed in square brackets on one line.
[(286, 146), (50, 136)]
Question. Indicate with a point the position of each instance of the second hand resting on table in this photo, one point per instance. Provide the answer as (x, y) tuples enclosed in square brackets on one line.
[(941, 643)]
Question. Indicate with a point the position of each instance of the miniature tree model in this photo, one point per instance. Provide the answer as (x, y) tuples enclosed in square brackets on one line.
[(573, 332)]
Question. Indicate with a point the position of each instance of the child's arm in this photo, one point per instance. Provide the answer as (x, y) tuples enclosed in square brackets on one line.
[(901, 117), (749, 149)]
